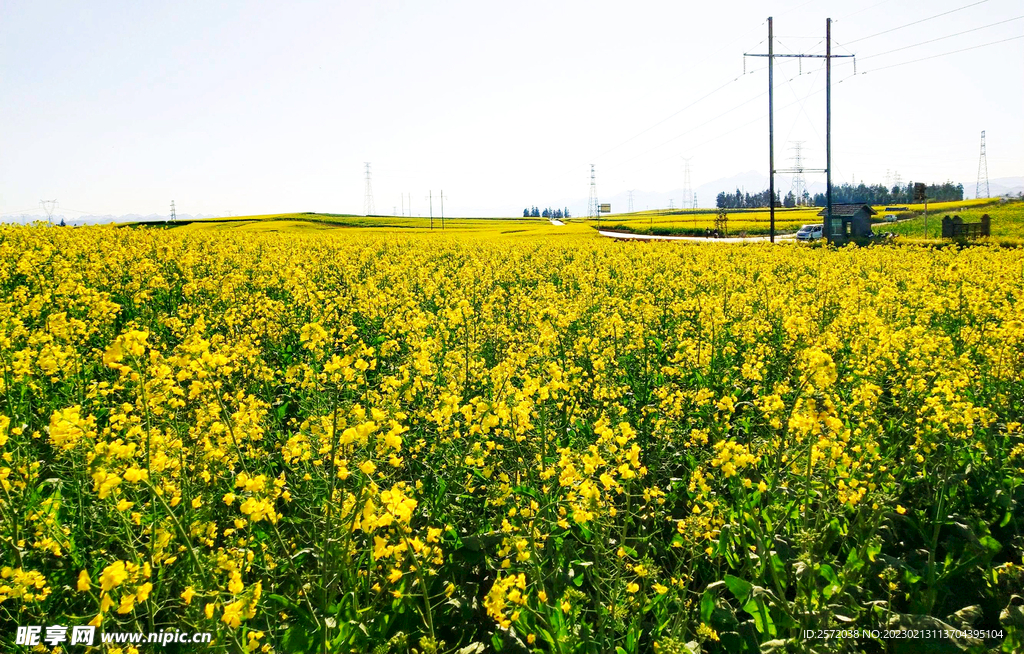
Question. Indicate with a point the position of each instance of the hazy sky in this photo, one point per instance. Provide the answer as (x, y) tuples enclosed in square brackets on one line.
[(257, 107)]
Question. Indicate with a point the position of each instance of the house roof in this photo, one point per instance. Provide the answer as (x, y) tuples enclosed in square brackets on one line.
[(847, 210)]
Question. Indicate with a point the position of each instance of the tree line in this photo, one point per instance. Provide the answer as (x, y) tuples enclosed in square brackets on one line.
[(557, 214), (879, 194), (741, 200), (843, 194)]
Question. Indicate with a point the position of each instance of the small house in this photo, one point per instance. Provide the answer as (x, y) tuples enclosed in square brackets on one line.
[(848, 221)]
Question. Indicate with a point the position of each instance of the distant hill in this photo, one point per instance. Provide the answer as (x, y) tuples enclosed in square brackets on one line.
[(98, 220)]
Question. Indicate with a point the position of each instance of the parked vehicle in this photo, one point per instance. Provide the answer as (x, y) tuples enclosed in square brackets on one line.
[(890, 217), (810, 232)]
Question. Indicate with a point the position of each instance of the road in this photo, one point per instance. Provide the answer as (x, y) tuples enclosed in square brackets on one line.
[(694, 239)]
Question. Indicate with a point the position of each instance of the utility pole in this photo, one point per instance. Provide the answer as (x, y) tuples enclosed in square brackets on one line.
[(828, 57), (174, 216), (368, 195), (828, 129), (771, 132)]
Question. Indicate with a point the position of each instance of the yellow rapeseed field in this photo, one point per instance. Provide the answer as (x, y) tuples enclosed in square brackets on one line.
[(342, 441)]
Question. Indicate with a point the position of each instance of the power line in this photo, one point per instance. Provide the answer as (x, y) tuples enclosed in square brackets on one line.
[(667, 118), (943, 54), (696, 127), (18, 212), (917, 22), (948, 36), (854, 13)]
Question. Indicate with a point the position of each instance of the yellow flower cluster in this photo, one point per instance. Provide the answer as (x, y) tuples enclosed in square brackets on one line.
[(281, 436)]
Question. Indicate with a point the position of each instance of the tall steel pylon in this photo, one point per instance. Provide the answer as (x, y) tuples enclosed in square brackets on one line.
[(368, 196), (630, 200), (49, 206), (687, 190), (592, 206), (799, 184), (174, 215), (982, 170)]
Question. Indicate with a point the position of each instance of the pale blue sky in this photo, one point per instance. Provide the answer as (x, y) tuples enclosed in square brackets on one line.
[(255, 107)]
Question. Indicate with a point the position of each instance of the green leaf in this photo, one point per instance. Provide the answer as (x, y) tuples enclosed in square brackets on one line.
[(873, 550), (762, 616), (297, 639), (707, 606), (991, 544), (779, 567), (739, 588), (853, 560), (828, 573)]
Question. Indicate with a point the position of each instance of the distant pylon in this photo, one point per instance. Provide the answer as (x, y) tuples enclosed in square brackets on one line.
[(49, 206), (592, 206), (368, 197), (174, 216), (897, 181), (799, 184), (687, 191), (982, 170), (631, 201), (671, 204)]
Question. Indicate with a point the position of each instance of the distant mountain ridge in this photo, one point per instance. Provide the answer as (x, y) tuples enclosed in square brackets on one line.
[(99, 219)]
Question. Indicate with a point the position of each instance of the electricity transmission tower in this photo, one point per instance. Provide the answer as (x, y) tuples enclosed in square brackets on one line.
[(174, 216), (671, 204), (799, 184), (631, 201), (49, 206), (982, 170), (592, 206), (828, 57), (368, 196), (687, 190)]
